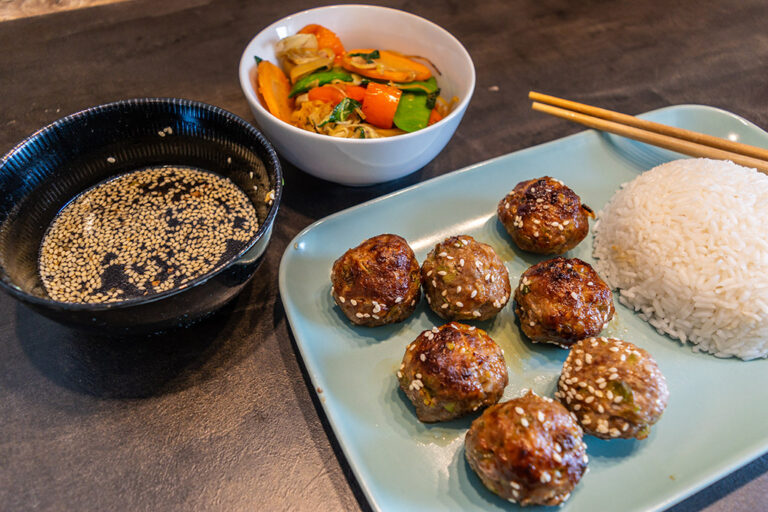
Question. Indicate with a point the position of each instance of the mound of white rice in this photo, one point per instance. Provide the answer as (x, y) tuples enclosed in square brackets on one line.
[(686, 244)]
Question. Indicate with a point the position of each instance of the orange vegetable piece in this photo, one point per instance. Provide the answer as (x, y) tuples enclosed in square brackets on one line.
[(390, 66), (326, 38), (380, 104), (355, 92), (326, 93), (274, 88), (434, 117)]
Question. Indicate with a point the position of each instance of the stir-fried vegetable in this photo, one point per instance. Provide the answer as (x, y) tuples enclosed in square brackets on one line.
[(342, 111), (274, 88), (380, 104), (387, 66), (412, 112), (361, 93), (318, 79), (325, 39)]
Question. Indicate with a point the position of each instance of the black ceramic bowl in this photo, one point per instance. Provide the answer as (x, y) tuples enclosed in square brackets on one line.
[(48, 169)]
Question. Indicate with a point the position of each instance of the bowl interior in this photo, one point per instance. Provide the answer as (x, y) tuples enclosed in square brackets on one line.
[(365, 26), (46, 171)]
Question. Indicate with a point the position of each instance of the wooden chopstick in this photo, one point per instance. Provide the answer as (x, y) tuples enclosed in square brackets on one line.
[(688, 143)]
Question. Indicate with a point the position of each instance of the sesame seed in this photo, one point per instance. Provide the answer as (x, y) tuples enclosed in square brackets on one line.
[(459, 305), (473, 294), (359, 315), (540, 416), (353, 302), (423, 357), (519, 410), (524, 422), (398, 300), (441, 272), (342, 299), (444, 306)]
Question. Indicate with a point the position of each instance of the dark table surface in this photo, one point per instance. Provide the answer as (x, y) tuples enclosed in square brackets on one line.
[(222, 416)]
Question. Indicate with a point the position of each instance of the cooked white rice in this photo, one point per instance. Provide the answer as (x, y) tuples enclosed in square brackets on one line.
[(686, 244)]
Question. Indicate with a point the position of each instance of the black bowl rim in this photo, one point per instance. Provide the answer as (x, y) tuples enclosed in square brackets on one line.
[(264, 227)]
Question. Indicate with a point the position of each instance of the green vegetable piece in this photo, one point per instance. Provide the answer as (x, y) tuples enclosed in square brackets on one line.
[(317, 79), (257, 59), (426, 86), (412, 112), (432, 99), (342, 111), (450, 406), (622, 389), (367, 56)]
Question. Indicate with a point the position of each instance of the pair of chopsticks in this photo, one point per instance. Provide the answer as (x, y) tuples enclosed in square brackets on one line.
[(680, 140)]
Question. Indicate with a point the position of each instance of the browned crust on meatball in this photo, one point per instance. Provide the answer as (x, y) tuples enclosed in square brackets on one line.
[(464, 279), (377, 282), (451, 371), (561, 301), (544, 216), (528, 450), (614, 388)]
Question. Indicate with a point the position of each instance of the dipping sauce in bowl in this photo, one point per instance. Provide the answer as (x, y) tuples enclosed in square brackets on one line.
[(143, 233), (136, 216)]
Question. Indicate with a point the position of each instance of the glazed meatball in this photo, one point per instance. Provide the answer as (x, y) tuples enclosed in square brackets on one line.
[(614, 388), (544, 216), (377, 282), (561, 301), (528, 450), (465, 280), (452, 370)]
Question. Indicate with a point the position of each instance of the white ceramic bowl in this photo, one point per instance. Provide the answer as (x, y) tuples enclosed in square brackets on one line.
[(365, 161)]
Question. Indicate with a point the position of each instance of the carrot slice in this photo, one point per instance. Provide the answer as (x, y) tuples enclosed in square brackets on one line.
[(380, 104), (389, 66), (326, 38), (326, 93), (434, 117), (355, 92), (274, 88)]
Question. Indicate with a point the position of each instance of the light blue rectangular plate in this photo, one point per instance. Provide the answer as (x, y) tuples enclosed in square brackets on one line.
[(718, 410)]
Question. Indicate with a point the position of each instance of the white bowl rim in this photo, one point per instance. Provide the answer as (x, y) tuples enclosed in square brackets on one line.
[(246, 66)]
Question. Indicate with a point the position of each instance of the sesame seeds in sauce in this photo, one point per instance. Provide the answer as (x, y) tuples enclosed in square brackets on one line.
[(144, 233)]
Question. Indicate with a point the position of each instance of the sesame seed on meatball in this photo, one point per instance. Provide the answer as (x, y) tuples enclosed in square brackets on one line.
[(614, 388), (528, 450), (377, 282), (561, 301), (465, 280), (544, 216), (452, 370)]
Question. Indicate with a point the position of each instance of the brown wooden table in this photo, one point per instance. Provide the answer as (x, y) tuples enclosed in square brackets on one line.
[(222, 416)]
